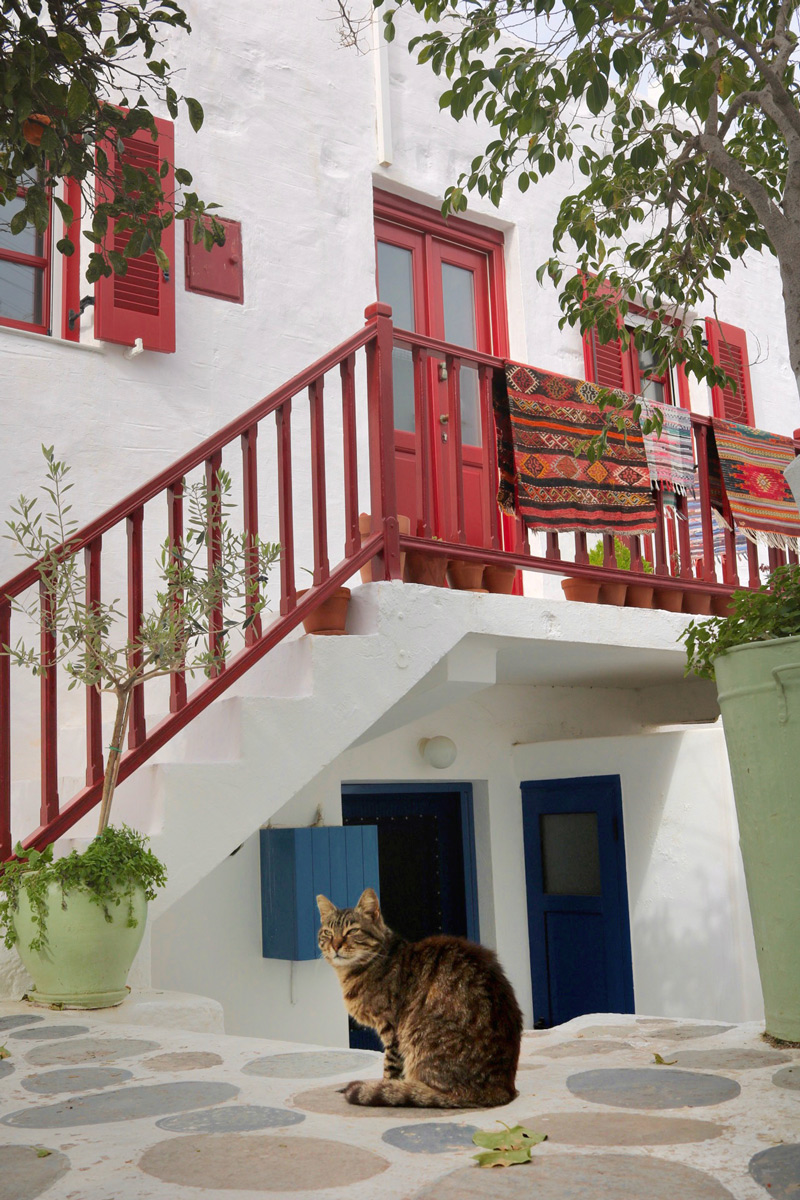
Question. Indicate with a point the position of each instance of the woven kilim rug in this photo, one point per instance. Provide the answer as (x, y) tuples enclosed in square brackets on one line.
[(551, 417), (760, 500), (670, 454)]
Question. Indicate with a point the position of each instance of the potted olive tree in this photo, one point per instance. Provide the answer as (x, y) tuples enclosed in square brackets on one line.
[(77, 921), (754, 655)]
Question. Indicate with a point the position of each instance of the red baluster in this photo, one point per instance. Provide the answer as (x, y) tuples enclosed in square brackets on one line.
[(552, 549), (660, 564), (352, 535), (177, 680), (5, 733), (730, 567), (456, 457), (216, 640), (137, 729), (754, 573), (250, 513), (48, 703), (318, 497), (684, 540), (490, 453), (701, 439), (94, 708), (283, 423), (424, 455), (380, 405), (581, 549)]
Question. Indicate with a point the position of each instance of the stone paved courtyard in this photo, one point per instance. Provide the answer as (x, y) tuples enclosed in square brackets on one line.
[(127, 1112)]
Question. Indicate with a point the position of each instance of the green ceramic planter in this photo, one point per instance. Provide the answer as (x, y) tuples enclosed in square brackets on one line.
[(86, 959), (759, 696)]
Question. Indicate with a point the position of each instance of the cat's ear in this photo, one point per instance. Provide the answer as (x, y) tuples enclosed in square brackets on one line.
[(325, 907), (369, 905)]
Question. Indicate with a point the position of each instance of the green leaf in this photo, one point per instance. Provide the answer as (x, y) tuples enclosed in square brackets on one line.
[(195, 112), (42, 1152), (597, 95), (503, 1158), (65, 246), (5, 1052), (664, 1062), (67, 215), (70, 47), (507, 1138), (77, 99), (18, 222)]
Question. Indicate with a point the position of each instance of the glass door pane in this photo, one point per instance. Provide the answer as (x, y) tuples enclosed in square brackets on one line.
[(570, 854), (458, 299), (396, 287)]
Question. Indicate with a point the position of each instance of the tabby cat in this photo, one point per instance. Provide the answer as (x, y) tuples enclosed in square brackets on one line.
[(445, 1012)]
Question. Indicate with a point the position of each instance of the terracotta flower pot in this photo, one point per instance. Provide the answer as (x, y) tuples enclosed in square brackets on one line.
[(613, 593), (584, 590), (329, 617), (640, 595), (421, 567), (721, 606), (33, 128), (698, 604), (465, 576), (499, 579), (365, 528), (670, 599)]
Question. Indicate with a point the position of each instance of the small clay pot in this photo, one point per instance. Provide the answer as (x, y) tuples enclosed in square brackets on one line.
[(33, 128), (613, 593), (721, 605), (430, 569), (639, 595), (697, 603), (670, 599), (330, 617), (584, 590), (465, 576), (365, 529), (499, 579)]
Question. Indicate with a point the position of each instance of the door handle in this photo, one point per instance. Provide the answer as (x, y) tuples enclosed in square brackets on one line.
[(444, 418)]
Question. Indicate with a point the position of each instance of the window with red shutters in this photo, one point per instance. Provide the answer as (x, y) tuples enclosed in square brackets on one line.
[(607, 364), (728, 347), (24, 272), (141, 303)]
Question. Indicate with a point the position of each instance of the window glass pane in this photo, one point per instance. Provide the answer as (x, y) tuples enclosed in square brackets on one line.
[(570, 854), (403, 384), (27, 242), (458, 297), (21, 292), (470, 408), (396, 283)]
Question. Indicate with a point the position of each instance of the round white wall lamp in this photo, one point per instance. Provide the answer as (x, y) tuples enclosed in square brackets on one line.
[(438, 752)]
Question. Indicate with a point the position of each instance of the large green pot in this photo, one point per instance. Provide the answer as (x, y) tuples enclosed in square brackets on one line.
[(86, 959), (759, 695)]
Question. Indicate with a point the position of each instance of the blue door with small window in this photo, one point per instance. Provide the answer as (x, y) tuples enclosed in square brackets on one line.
[(426, 858), (578, 927)]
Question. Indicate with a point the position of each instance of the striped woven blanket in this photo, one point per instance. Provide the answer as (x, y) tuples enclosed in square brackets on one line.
[(670, 454), (756, 493), (550, 417)]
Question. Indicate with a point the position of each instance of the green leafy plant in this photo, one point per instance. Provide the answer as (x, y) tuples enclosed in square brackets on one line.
[(771, 611), (623, 556), (194, 599), (509, 1147), (113, 866)]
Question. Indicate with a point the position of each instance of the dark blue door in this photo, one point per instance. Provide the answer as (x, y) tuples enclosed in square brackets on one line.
[(426, 858), (578, 926)]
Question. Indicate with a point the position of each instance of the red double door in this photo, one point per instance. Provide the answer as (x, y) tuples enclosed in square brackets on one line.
[(449, 290)]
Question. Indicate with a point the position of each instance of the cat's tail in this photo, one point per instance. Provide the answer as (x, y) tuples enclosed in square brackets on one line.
[(408, 1093)]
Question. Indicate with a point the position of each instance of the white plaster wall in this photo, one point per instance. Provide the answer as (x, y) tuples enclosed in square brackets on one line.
[(692, 942)]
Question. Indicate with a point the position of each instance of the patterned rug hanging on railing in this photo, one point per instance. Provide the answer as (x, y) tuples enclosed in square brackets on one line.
[(542, 420), (670, 453), (756, 495)]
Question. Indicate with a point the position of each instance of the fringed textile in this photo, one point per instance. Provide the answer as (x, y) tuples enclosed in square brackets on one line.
[(670, 454), (756, 494)]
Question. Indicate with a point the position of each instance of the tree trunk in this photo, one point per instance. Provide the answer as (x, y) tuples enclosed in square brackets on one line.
[(114, 755), (789, 263)]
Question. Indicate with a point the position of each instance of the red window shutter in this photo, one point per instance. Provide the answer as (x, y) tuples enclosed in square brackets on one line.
[(141, 303), (728, 347), (609, 364)]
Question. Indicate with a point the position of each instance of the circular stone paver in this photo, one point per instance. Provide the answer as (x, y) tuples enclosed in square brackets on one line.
[(74, 1079), (24, 1175), (6, 1068), (330, 1101), (778, 1170), (652, 1087), (580, 1177), (50, 1033), (233, 1118), (576, 1049), (126, 1104), (247, 1163), (620, 1129), (735, 1059), (680, 1033), (89, 1050), (434, 1138), (183, 1060), (15, 1022), (312, 1064), (788, 1077), (590, 1031)]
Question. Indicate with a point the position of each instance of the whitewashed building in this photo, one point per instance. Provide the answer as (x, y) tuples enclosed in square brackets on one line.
[(585, 827)]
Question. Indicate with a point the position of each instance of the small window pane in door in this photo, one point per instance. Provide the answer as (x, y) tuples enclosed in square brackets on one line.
[(26, 242), (458, 297), (570, 854), (396, 287), (21, 292)]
